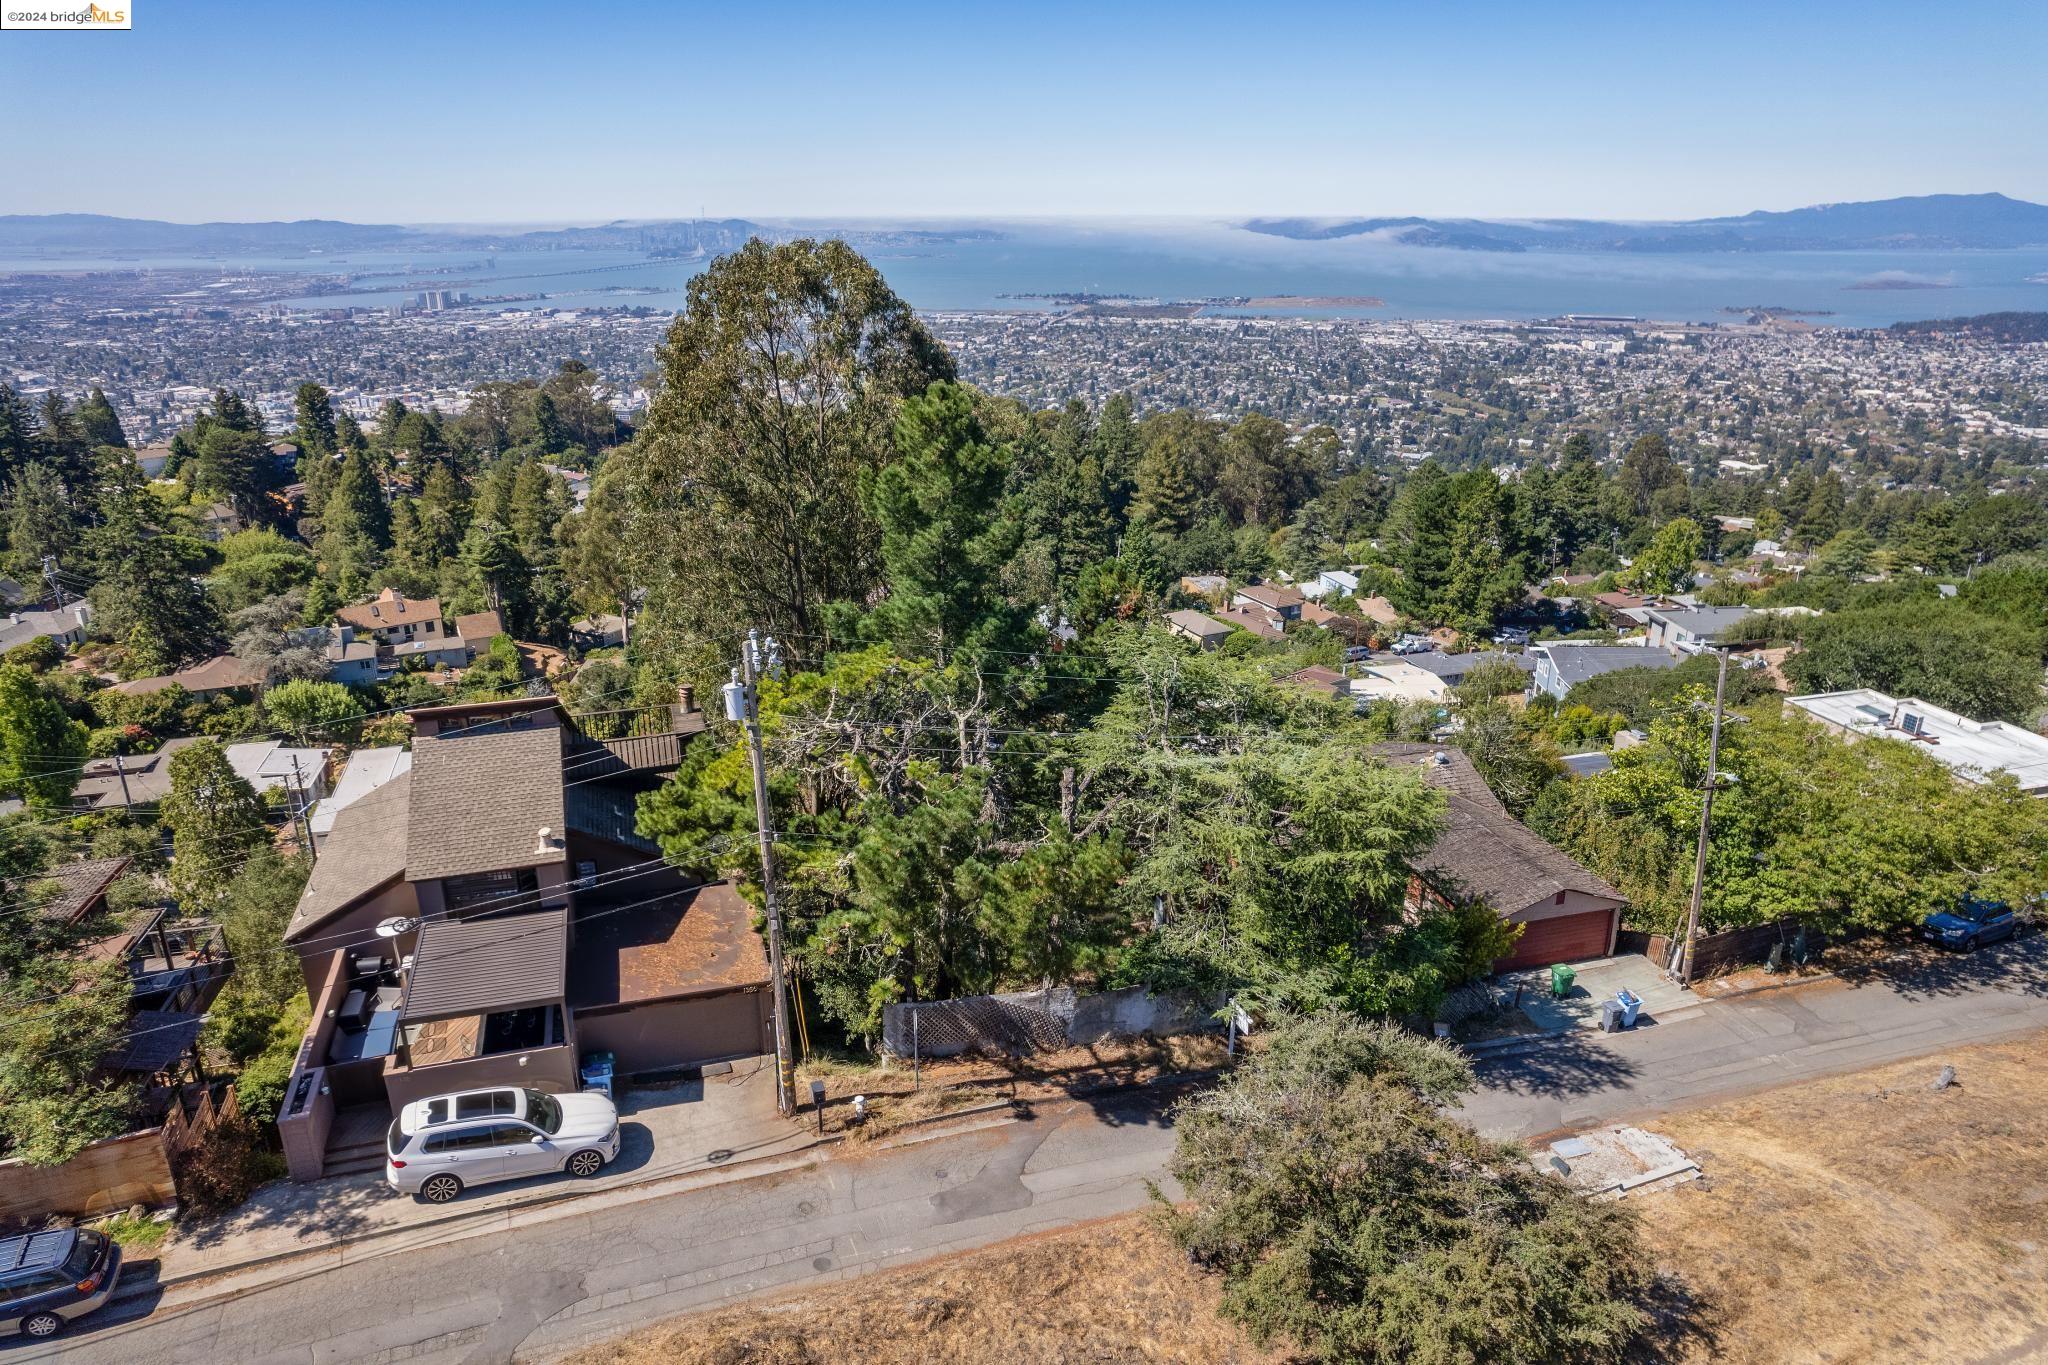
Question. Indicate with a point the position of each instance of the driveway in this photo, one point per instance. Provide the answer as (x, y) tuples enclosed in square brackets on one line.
[(699, 1123)]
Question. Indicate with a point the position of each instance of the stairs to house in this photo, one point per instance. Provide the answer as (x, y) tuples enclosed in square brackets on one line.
[(355, 1144), (355, 1158)]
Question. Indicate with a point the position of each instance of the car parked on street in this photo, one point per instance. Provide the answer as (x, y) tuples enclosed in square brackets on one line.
[(439, 1146), (49, 1278), (1972, 924)]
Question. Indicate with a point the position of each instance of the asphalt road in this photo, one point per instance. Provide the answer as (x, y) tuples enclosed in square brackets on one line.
[(543, 1289)]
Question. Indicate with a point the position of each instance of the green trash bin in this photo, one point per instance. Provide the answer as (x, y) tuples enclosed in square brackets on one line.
[(1561, 978)]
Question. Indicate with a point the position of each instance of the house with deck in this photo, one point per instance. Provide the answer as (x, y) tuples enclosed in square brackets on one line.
[(492, 914)]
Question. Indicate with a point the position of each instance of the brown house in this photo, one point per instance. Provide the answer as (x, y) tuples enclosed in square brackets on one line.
[(395, 619), (494, 915), (1484, 853)]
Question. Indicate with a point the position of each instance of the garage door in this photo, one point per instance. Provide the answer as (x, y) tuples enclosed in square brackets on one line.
[(1567, 938)]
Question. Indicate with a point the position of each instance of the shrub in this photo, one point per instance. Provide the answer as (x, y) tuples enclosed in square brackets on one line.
[(221, 1170), (1351, 1217)]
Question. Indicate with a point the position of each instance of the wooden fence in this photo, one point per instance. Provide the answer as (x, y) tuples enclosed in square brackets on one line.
[(1713, 954), (113, 1173)]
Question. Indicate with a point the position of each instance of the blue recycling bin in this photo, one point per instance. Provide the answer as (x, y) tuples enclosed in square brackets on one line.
[(1631, 1004), (596, 1071)]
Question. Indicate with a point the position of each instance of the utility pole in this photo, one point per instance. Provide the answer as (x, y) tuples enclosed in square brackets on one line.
[(300, 823), (121, 771), (1682, 957), (743, 704), (50, 577)]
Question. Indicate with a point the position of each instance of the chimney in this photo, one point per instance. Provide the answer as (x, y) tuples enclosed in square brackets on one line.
[(686, 697), (545, 843)]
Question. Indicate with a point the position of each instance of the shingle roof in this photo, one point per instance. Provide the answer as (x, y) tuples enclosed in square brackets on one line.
[(477, 627), (79, 884), (476, 966), (389, 609), (1576, 663), (365, 850), (1485, 852), (1273, 595), (217, 674), (480, 800), (149, 777), (156, 1038), (1197, 623)]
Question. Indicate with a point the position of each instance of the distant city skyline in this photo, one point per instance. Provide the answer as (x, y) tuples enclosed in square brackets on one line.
[(523, 114)]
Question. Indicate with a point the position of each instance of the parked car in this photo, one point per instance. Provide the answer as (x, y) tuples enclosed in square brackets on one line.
[(439, 1146), (49, 1278), (1414, 644), (1511, 635), (1973, 923), (1357, 654)]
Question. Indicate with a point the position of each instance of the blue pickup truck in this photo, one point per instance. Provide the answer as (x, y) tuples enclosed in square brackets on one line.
[(1973, 923)]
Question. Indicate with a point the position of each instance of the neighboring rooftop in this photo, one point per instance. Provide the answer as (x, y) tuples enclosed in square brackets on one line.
[(79, 885), (367, 770), (1196, 623), (388, 609), (133, 778), (218, 674), (1973, 749), (1577, 663), (479, 627), (1484, 851)]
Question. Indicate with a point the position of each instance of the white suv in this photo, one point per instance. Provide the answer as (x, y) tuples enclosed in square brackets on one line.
[(439, 1146)]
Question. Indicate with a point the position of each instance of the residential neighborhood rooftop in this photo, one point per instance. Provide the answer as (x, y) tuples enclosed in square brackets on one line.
[(1974, 749)]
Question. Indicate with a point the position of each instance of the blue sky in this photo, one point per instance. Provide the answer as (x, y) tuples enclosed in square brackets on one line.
[(514, 112)]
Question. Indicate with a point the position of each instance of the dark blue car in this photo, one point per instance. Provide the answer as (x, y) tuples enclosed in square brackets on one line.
[(1971, 924)]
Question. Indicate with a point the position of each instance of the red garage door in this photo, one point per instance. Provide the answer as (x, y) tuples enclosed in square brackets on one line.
[(1567, 938)]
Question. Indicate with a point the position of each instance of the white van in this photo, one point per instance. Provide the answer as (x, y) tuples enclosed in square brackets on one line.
[(439, 1146)]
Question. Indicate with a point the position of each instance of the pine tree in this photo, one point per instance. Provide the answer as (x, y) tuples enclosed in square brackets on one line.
[(946, 533), (356, 525), (98, 423), (1166, 497), (315, 432), (40, 521)]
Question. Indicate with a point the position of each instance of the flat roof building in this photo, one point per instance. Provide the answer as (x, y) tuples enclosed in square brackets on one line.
[(1972, 749)]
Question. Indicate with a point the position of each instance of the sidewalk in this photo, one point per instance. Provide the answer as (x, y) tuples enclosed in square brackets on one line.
[(691, 1126)]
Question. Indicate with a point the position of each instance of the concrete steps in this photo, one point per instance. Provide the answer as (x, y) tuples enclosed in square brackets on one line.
[(354, 1158)]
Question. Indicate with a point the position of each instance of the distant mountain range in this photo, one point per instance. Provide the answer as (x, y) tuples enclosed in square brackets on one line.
[(93, 234), (1928, 222)]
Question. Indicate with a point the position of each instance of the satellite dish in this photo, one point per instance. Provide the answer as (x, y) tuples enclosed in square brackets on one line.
[(396, 925)]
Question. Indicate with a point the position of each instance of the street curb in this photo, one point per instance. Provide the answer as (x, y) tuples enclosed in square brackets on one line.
[(742, 1170)]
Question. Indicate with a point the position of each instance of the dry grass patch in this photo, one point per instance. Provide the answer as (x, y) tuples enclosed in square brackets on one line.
[(1106, 1293), (1867, 1218)]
